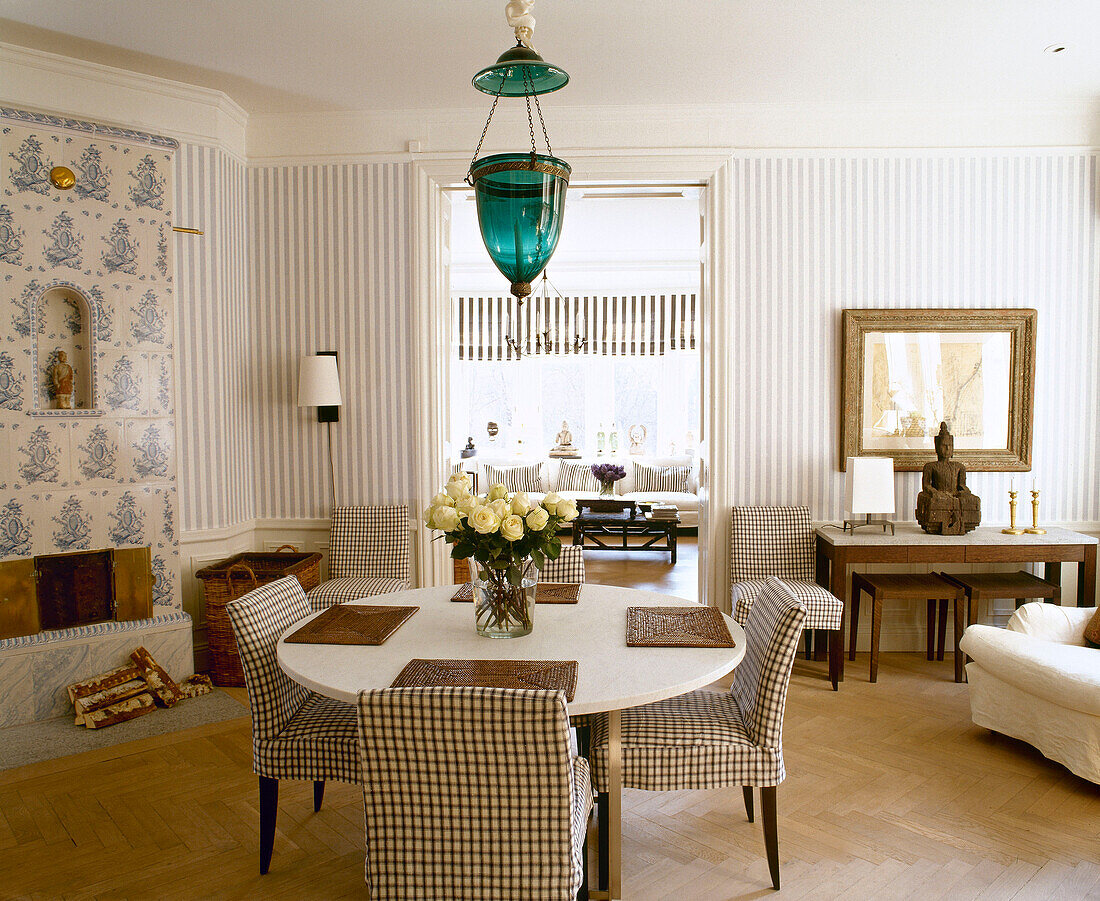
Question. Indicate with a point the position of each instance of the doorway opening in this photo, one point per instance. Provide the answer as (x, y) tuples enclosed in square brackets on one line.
[(602, 364)]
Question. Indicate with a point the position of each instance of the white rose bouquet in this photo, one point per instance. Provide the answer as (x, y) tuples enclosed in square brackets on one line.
[(504, 534)]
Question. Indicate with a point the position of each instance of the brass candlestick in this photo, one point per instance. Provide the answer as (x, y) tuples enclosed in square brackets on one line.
[(1012, 530), (1035, 530)]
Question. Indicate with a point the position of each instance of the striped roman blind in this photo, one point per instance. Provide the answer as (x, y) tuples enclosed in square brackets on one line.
[(634, 325)]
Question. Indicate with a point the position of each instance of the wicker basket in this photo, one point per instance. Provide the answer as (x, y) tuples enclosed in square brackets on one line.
[(228, 580)]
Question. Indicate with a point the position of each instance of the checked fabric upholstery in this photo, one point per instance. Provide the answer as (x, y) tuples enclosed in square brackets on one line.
[(767, 542), (569, 567), (707, 739), (368, 554), (296, 734), (472, 793)]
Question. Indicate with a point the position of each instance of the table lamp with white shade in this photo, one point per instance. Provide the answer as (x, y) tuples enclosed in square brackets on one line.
[(319, 386), (869, 490)]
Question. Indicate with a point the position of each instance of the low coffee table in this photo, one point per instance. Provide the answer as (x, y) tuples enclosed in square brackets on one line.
[(599, 519)]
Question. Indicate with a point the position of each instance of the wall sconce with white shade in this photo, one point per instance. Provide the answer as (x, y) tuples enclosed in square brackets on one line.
[(869, 490), (319, 386)]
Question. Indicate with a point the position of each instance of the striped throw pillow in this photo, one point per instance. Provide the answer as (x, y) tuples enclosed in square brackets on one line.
[(661, 478), (577, 477), (515, 478)]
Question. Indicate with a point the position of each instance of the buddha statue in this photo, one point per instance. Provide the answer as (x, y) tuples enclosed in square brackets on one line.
[(945, 506), (564, 443)]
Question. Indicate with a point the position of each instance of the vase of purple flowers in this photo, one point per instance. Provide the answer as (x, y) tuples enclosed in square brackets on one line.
[(607, 474)]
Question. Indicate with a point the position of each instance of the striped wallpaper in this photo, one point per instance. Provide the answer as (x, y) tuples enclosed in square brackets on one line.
[(328, 267), (215, 325), (816, 234), (331, 259)]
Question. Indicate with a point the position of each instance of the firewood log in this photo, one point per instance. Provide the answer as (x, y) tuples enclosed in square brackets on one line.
[(164, 687), (109, 679), (138, 705), (198, 684), (84, 705)]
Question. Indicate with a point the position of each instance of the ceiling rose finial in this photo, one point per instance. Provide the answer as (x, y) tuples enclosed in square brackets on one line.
[(518, 14)]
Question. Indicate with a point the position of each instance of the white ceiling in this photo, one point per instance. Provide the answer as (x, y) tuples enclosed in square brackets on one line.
[(287, 55)]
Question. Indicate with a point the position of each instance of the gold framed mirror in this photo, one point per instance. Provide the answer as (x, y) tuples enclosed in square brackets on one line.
[(904, 372)]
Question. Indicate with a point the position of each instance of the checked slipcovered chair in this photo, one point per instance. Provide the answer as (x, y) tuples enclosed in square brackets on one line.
[(778, 542), (472, 793), (569, 567), (296, 734), (708, 739), (368, 555)]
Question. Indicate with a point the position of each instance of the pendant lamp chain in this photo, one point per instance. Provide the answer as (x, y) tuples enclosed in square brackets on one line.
[(529, 93), (496, 99)]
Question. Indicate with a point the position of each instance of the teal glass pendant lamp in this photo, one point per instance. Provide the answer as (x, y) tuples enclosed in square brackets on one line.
[(520, 196)]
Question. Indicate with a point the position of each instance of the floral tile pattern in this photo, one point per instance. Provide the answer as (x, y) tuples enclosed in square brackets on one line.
[(80, 481), (150, 444)]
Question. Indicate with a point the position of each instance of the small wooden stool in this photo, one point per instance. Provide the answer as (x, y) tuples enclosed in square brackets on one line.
[(903, 586), (1019, 585)]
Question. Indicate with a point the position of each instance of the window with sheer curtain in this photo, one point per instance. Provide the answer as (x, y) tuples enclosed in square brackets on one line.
[(529, 398)]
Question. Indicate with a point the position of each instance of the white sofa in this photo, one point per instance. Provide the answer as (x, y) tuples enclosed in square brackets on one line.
[(687, 503), (1036, 680)]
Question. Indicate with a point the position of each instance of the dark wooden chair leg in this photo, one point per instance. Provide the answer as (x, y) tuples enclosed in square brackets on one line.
[(584, 740), (836, 657), (269, 807), (746, 790), (855, 624), (318, 794), (809, 636), (582, 893), (604, 848), (961, 603), (931, 629), (941, 630), (876, 632), (821, 644), (771, 832)]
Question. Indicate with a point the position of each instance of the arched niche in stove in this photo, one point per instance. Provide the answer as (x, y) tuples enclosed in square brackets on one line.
[(63, 355)]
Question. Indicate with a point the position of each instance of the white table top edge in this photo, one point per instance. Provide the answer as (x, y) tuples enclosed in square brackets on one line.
[(304, 663)]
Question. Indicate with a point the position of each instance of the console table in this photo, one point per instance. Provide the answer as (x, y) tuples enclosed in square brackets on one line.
[(837, 550)]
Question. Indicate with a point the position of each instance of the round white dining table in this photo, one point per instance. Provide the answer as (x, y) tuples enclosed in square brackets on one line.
[(611, 676)]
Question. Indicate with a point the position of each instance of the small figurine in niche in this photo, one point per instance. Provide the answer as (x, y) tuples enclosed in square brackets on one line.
[(469, 450), (945, 506), (637, 435), (564, 443), (61, 382)]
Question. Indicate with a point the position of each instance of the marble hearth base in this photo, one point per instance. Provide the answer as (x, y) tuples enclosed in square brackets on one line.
[(35, 670)]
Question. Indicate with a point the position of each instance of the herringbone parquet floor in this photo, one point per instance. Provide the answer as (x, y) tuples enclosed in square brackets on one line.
[(892, 793)]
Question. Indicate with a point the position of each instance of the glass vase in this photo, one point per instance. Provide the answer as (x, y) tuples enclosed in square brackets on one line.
[(501, 609), (607, 489)]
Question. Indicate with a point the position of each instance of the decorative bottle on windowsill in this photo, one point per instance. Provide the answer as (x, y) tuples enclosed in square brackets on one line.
[(613, 440), (601, 441)]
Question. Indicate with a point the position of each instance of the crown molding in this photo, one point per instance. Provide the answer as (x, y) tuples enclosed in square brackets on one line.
[(64, 86), (373, 136)]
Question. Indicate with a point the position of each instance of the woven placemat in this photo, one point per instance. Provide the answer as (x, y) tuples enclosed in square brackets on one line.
[(556, 675), (352, 624), (545, 592), (676, 627)]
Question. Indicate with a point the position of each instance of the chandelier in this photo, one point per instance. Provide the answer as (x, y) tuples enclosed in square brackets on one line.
[(548, 338), (520, 196)]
